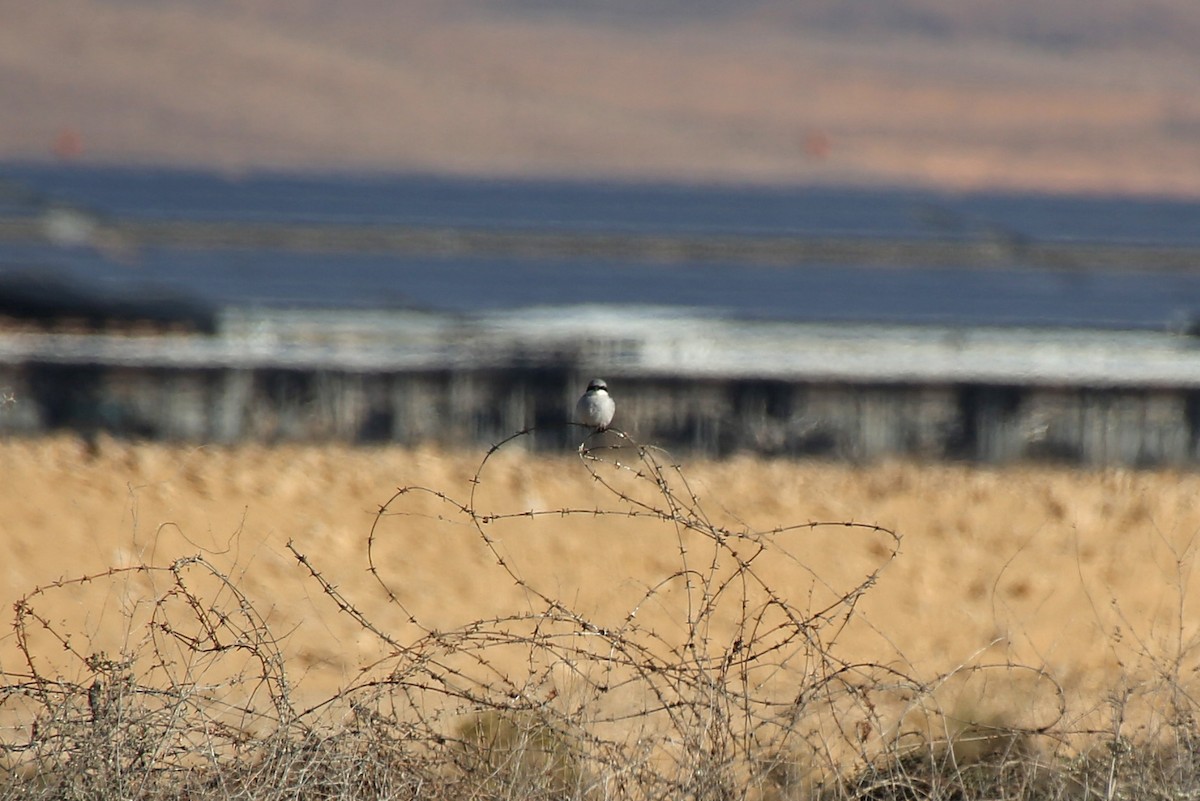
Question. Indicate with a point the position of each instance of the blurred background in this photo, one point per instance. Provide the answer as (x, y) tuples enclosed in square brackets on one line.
[(847, 229)]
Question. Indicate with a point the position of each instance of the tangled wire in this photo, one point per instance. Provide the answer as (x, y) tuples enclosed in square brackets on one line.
[(719, 677)]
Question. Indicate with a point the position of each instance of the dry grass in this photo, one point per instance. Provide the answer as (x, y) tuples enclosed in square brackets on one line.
[(262, 623)]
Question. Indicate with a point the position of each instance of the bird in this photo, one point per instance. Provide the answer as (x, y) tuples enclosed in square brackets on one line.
[(596, 407)]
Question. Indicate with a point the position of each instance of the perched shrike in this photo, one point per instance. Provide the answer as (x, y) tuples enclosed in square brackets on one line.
[(595, 409)]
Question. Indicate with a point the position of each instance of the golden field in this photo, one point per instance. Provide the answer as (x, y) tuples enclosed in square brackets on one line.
[(1084, 574)]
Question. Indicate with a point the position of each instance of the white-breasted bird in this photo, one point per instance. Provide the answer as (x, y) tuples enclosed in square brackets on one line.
[(596, 408)]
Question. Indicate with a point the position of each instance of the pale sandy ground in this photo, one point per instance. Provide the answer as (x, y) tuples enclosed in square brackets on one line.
[(1085, 574)]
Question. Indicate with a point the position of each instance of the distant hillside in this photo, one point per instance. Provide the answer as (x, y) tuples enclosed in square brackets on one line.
[(1071, 95), (1070, 23)]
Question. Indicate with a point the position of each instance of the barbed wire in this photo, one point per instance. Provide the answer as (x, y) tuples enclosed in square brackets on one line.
[(721, 675)]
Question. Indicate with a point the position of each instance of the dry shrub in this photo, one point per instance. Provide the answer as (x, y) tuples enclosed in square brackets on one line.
[(721, 678)]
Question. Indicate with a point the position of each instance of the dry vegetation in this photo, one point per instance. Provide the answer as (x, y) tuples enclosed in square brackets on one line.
[(275, 623)]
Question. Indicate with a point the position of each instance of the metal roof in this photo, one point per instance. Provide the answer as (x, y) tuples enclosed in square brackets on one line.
[(642, 342)]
